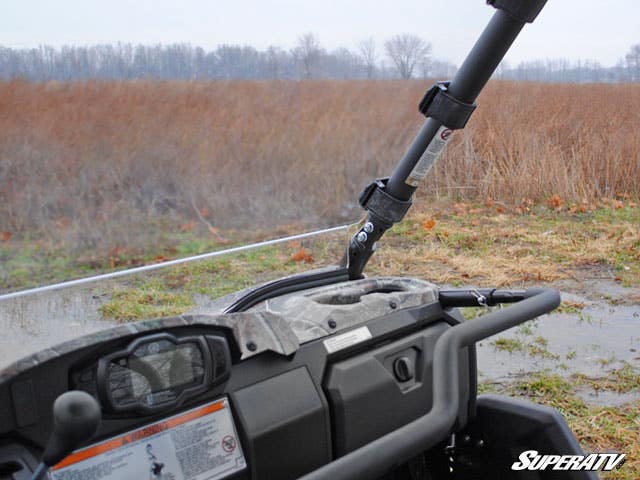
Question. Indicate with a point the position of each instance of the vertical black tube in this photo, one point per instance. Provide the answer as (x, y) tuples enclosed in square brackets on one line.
[(469, 81)]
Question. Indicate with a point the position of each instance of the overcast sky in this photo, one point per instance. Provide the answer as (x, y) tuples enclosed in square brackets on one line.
[(602, 30)]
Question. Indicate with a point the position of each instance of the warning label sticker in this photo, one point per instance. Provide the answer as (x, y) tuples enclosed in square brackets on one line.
[(429, 157), (198, 444), (345, 340)]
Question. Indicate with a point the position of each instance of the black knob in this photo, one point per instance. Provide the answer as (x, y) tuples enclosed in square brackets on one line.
[(403, 369), (76, 417)]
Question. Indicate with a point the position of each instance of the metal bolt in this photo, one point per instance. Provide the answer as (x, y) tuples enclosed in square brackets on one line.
[(466, 439), (393, 305), (362, 237), (480, 443), (368, 227), (332, 323), (252, 346)]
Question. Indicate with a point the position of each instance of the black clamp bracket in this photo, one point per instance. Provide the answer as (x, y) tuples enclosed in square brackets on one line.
[(379, 203), (438, 103), (384, 210), (524, 11)]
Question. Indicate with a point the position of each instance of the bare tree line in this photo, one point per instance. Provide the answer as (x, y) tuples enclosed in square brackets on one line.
[(308, 59), (401, 56), (566, 71)]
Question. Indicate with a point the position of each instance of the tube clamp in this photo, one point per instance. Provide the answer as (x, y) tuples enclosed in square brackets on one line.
[(438, 103), (524, 11), (379, 203)]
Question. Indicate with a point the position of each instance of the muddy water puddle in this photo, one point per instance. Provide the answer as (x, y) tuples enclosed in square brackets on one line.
[(589, 336)]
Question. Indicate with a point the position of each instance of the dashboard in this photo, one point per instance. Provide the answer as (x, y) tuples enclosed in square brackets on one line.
[(274, 392)]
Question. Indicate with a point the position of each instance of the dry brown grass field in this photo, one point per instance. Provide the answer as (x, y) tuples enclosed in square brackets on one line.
[(540, 188), (95, 164)]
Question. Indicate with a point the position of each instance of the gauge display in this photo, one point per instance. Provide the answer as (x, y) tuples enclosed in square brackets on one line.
[(157, 371), (154, 371)]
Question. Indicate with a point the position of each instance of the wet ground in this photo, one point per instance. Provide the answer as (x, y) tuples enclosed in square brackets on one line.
[(592, 340), (597, 332)]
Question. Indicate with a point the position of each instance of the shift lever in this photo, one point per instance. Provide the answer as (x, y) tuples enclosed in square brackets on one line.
[(76, 417)]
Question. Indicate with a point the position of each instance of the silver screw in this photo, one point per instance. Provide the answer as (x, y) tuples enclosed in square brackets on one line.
[(362, 237), (368, 227)]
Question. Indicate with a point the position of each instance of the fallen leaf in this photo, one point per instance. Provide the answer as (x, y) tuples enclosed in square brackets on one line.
[(5, 236), (617, 204), (555, 202), (302, 255), (429, 224)]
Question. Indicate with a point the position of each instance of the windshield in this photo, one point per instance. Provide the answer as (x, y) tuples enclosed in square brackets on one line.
[(121, 153), (106, 175), (43, 317)]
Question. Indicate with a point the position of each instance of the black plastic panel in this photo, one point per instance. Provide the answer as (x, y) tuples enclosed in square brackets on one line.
[(284, 419), (368, 399)]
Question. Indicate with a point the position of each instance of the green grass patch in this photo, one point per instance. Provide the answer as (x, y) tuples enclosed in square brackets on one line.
[(570, 307), (172, 291), (510, 345), (624, 379), (144, 303), (446, 244)]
